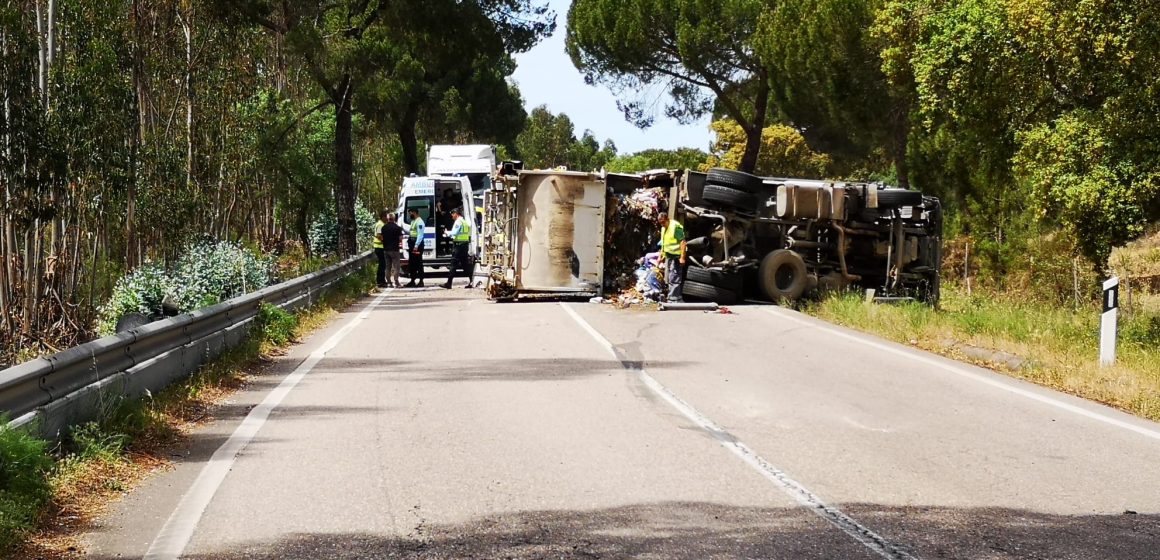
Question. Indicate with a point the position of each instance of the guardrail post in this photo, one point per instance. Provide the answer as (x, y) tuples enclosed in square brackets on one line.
[(1108, 321)]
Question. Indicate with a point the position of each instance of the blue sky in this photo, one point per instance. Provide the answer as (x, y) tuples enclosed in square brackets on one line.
[(546, 77)]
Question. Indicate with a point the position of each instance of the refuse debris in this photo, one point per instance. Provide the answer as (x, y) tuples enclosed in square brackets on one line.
[(630, 227), (500, 288)]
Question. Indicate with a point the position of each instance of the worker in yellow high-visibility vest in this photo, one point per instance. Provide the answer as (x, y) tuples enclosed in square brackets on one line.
[(673, 256), (460, 235), (380, 253)]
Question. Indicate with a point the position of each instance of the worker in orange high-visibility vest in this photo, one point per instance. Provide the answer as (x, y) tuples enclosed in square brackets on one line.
[(673, 256)]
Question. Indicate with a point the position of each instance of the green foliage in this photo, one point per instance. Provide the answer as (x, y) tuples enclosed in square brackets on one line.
[(275, 325), (140, 291), (549, 141), (1029, 104), (784, 152), (645, 160), (208, 272), (1081, 182), (324, 231), (24, 489), (829, 82), (699, 52), (94, 441)]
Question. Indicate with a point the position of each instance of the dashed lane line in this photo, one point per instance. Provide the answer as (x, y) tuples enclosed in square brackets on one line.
[(868, 538)]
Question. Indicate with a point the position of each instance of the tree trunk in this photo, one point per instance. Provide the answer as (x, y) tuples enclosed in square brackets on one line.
[(410, 149), (190, 167), (410, 141), (755, 128), (344, 194), (901, 143), (135, 140)]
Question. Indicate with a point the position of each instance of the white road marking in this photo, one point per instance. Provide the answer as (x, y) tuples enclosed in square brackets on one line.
[(170, 543), (963, 372), (794, 489)]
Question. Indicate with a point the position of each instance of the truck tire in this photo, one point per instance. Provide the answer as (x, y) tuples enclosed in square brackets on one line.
[(721, 279), (783, 276), (733, 179), (898, 198), (731, 197), (707, 292)]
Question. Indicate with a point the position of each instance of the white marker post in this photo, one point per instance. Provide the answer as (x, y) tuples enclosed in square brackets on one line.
[(1108, 321)]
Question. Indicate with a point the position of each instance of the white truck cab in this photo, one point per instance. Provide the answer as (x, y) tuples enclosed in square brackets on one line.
[(434, 198), (476, 162)]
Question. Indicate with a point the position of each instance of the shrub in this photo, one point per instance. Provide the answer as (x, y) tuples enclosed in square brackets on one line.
[(324, 230), (93, 441), (275, 325), (140, 291), (24, 488), (207, 272), (210, 272)]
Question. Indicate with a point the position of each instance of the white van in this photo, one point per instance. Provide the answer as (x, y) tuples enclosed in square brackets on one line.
[(435, 198)]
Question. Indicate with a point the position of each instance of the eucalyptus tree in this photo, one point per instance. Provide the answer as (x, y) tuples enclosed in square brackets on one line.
[(396, 56)]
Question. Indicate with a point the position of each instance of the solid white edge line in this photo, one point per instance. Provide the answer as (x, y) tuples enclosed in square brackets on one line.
[(794, 489), (963, 372), (175, 535)]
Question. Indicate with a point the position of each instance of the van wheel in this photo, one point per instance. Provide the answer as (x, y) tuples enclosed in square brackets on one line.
[(707, 292), (783, 276)]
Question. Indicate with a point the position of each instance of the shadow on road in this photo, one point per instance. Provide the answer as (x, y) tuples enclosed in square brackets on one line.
[(703, 530), (529, 369)]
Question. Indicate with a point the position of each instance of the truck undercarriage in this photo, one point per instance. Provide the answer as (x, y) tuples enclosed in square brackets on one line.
[(784, 239)]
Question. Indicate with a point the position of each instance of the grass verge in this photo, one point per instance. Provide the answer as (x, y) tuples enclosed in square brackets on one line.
[(50, 493), (1057, 346)]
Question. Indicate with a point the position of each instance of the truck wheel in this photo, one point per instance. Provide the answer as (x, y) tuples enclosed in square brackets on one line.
[(898, 198), (729, 196), (707, 292), (783, 276), (721, 279), (734, 179)]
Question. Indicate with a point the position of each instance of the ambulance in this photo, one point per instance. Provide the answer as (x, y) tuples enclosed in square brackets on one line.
[(457, 177)]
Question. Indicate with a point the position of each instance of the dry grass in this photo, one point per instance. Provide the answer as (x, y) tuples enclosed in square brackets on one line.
[(112, 457), (1058, 345), (1138, 265)]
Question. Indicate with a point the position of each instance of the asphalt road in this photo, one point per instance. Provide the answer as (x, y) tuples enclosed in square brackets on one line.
[(434, 424)]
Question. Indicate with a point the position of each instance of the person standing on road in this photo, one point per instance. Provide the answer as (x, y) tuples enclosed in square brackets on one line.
[(673, 256), (380, 253), (415, 246), (460, 235), (392, 236)]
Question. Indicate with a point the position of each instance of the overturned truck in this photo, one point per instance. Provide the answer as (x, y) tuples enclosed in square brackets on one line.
[(785, 239), (558, 233)]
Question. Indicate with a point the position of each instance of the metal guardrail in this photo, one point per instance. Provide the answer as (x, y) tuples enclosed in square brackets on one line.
[(76, 385)]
